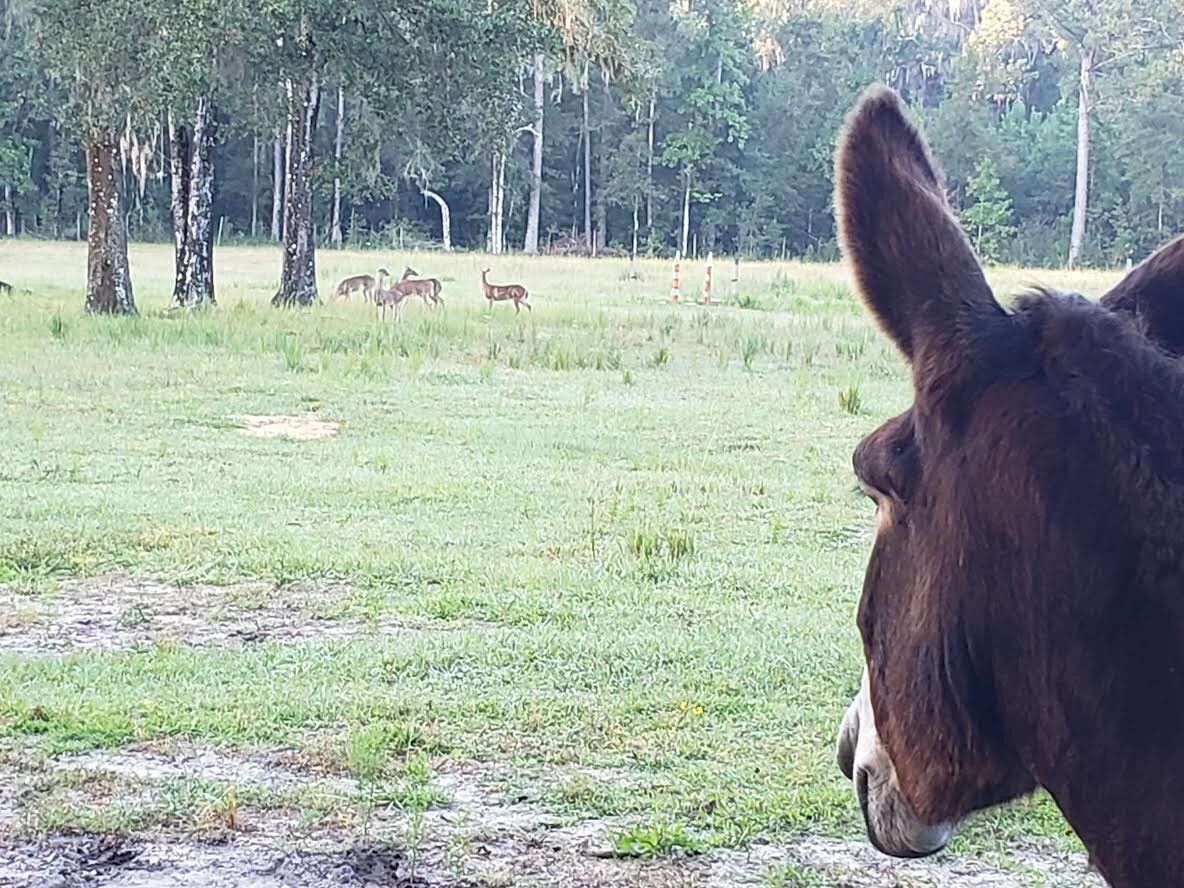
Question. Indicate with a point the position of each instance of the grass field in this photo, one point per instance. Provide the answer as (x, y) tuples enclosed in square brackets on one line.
[(561, 598)]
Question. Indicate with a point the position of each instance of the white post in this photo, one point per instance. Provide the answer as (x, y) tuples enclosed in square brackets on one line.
[(674, 287), (707, 279)]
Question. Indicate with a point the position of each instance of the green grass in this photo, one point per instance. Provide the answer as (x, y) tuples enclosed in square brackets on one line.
[(648, 553)]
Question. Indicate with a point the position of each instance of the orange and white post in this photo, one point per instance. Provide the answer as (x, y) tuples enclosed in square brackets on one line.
[(707, 280), (675, 289)]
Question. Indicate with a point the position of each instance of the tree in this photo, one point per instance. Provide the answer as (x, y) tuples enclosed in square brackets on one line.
[(717, 127), (989, 216), (194, 44), (592, 33), (1104, 38), (100, 50), (713, 72), (531, 243)]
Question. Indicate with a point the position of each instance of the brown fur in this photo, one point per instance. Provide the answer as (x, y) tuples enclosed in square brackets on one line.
[(427, 289), (1023, 608), (515, 293), (367, 284)]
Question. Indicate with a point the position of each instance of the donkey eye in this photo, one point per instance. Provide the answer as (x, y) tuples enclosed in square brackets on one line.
[(868, 491)]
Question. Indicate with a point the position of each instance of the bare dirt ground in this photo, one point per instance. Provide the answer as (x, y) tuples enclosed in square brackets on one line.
[(484, 832), (117, 613), (299, 428)]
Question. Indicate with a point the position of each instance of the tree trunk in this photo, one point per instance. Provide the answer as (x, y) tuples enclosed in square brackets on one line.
[(254, 187), (601, 239), (531, 244), (108, 276), (445, 217), (9, 212), (686, 209), (497, 196), (587, 135), (298, 281), (1081, 190), (633, 251), (277, 187), (191, 165), (649, 175), (180, 166), (199, 251), (338, 145)]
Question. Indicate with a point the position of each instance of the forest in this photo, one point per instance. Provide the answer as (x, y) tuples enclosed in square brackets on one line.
[(572, 126)]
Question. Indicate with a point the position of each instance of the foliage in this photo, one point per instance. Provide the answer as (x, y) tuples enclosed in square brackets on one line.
[(747, 96), (989, 215)]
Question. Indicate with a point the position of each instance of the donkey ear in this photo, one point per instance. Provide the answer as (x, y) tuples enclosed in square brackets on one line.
[(1152, 295), (912, 263)]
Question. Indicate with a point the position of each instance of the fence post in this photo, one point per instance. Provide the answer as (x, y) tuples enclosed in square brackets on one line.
[(674, 286)]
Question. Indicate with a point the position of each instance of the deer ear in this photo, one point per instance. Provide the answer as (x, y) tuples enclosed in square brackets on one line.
[(913, 265), (1152, 295)]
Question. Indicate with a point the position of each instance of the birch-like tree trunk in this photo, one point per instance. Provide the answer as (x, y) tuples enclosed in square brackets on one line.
[(338, 148), (254, 187), (445, 217), (191, 165), (298, 279), (1081, 187), (180, 166), (277, 186), (585, 131), (9, 213), (199, 254), (531, 243), (686, 209), (649, 172)]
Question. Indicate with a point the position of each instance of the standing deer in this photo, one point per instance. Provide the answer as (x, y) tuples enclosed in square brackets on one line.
[(515, 293), (392, 297), (368, 284), (427, 289), (398, 293)]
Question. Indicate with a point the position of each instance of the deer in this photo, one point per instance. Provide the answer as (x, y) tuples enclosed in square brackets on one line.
[(367, 283), (391, 297), (427, 289), (400, 291), (515, 293)]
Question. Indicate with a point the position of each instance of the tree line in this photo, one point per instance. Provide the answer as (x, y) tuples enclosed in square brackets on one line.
[(573, 126)]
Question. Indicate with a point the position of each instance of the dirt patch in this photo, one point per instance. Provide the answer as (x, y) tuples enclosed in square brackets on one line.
[(118, 612), (75, 861), (158, 761), (299, 428), (480, 836)]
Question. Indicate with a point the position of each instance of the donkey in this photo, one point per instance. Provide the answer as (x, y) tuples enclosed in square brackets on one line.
[(515, 293), (367, 284), (1022, 613)]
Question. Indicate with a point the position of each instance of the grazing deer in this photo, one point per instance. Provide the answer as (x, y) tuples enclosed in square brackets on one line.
[(515, 293), (427, 289), (367, 283), (399, 292)]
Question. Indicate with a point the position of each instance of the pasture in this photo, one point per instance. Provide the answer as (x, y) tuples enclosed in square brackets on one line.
[(562, 598)]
